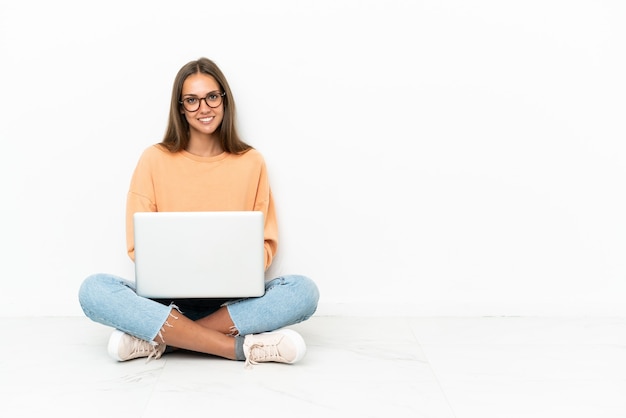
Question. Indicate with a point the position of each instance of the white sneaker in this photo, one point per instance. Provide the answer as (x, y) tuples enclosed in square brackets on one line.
[(124, 347), (282, 346)]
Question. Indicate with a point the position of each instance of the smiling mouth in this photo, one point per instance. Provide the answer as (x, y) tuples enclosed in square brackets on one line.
[(206, 120)]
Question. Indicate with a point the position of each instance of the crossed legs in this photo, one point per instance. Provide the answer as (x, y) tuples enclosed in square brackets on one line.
[(112, 301), (211, 334)]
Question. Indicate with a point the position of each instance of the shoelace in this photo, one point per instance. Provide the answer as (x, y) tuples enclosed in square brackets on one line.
[(141, 346), (154, 353), (260, 353)]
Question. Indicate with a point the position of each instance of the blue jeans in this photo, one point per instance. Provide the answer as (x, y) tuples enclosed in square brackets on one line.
[(112, 301)]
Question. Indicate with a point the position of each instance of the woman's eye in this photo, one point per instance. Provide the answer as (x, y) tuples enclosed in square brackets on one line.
[(191, 100)]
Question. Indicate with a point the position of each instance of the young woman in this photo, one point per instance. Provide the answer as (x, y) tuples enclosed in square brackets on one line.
[(202, 165)]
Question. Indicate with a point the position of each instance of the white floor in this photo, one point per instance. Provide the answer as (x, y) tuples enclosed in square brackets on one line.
[(354, 367)]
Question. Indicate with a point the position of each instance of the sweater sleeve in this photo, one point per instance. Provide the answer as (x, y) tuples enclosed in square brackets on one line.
[(264, 202), (140, 198)]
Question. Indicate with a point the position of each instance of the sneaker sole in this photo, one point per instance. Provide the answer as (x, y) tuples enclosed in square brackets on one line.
[(298, 341), (114, 344)]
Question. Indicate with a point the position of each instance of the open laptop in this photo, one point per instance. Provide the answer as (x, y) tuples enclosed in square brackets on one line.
[(199, 254)]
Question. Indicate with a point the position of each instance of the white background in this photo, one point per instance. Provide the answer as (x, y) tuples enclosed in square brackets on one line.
[(427, 157)]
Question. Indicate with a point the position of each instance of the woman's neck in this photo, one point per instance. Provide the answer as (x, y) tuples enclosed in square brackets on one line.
[(206, 146)]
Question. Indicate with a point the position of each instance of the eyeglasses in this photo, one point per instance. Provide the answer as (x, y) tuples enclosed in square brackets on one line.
[(192, 103)]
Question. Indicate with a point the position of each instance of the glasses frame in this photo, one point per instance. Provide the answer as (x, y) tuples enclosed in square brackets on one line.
[(221, 94)]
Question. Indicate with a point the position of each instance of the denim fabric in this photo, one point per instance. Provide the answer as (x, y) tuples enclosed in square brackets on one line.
[(287, 300), (112, 301)]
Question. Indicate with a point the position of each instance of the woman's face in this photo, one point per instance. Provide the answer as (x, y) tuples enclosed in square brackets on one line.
[(202, 89)]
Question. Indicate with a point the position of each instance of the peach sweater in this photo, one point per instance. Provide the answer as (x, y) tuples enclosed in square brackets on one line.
[(177, 182)]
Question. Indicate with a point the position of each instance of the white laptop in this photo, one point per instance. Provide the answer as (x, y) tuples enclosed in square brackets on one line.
[(199, 254)]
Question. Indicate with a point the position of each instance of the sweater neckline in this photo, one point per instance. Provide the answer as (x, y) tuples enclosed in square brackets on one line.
[(201, 159)]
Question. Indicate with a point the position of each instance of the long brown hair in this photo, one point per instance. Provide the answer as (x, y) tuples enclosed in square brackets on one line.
[(177, 133)]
